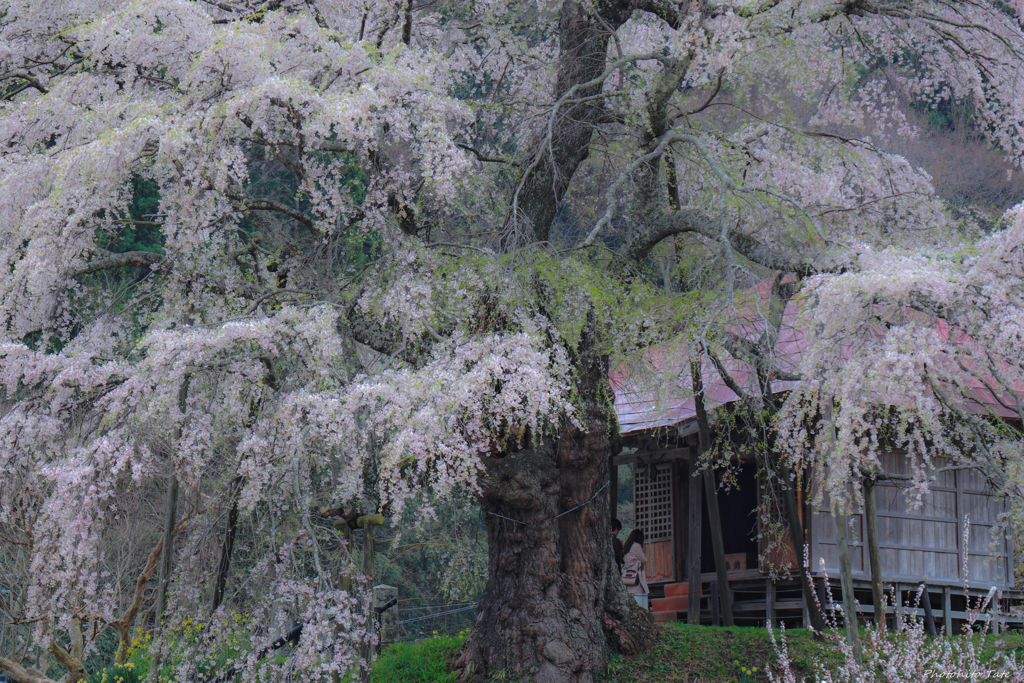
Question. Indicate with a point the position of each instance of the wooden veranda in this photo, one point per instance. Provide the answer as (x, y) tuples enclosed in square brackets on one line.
[(917, 544)]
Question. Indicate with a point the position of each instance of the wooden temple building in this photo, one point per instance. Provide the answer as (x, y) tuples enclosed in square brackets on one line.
[(915, 543), (926, 543)]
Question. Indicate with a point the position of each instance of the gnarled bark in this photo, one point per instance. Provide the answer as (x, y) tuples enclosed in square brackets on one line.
[(553, 601)]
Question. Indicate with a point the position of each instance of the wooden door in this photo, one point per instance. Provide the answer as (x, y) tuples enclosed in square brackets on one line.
[(653, 506)]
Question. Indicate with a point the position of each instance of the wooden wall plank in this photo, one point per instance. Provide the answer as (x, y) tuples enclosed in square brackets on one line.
[(925, 540), (660, 561)]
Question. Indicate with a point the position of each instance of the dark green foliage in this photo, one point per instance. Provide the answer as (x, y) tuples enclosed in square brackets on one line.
[(142, 232), (416, 564)]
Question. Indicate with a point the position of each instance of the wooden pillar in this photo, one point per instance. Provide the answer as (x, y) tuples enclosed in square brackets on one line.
[(694, 492), (345, 581), (718, 544), (714, 519), (899, 607), (874, 553), (821, 591), (388, 619), (369, 553), (994, 611), (947, 611), (796, 530), (846, 579), (341, 525), (680, 531), (367, 523), (926, 602), (769, 598), (713, 603)]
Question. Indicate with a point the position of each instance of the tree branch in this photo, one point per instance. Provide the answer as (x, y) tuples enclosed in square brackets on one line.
[(728, 378), (388, 339), (138, 259), (28, 78), (76, 671), (480, 155), (123, 625), (640, 242), (265, 204), (22, 675)]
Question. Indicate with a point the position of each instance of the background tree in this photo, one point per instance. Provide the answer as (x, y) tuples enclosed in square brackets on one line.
[(376, 275)]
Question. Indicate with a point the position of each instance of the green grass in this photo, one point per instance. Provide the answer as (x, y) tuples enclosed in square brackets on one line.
[(705, 654), (690, 654), (425, 662)]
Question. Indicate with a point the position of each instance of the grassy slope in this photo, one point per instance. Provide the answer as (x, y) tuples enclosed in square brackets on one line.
[(681, 654)]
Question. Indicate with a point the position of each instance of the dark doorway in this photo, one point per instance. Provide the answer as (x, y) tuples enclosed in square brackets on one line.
[(738, 511)]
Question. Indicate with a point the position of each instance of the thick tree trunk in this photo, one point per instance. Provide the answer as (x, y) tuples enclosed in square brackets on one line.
[(583, 55), (554, 601)]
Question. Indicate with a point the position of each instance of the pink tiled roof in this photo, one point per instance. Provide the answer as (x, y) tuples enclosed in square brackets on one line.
[(660, 394)]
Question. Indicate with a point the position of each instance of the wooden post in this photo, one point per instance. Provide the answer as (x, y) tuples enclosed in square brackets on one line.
[(718, 544), (874, 553), (387, 620), (713, 603), (947, 611), (345, 581), (796, 531), (769, 597), (899, 607), (994, 611), (714, 519), (846, 580), (342, 527), (693, 552), (929, 620), (367, 523), (681, 539), (821, 591)]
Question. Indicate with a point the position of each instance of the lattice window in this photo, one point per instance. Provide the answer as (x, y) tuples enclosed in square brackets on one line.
[(652, 501)]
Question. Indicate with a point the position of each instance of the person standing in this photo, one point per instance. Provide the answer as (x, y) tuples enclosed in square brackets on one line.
[(635, 559), (617, 544)]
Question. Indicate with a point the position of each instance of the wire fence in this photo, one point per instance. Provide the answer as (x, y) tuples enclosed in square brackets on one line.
[(416, 622)]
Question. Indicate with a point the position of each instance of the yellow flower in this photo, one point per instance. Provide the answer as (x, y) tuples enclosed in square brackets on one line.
[(755, 669)]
